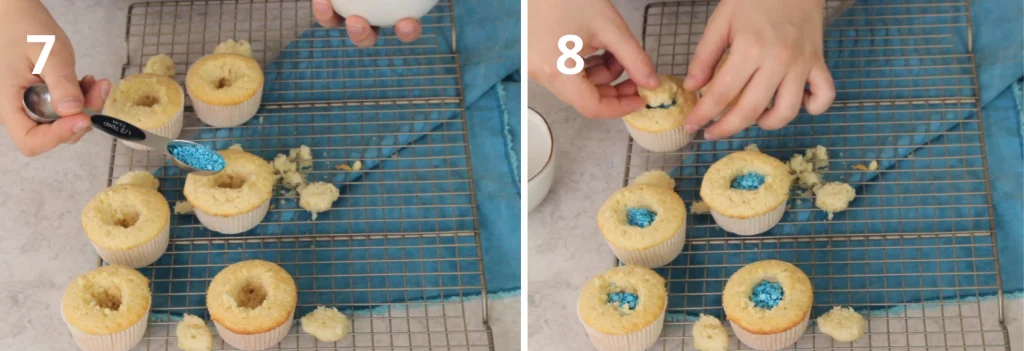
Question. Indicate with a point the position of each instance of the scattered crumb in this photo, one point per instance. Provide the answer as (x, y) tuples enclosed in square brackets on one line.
[(318, 197), (302, 156), (236, 147), (343, 167), (818, 156), (842, 324), (231, 46), (142, 178), (699, 207), (261, 119), (293, 180), (325, 324), (161, 65), (282, 165), (751, 147), (183, 207), (193, 334), (809, 180), (834, 197), (859, 167), (656, 178), (807, 193), (709, 334), (358, 165), (798, 165), (873, 166)]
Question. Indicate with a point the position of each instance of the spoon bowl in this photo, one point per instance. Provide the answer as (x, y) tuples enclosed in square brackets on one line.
[(38, 105)]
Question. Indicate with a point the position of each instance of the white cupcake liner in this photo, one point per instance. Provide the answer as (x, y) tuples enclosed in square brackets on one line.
[(656, 256), (750, 226), (140, 256), (667, 141), (636, 341), (252, 342), (775, 341), (233, 224), (120, 341), (227, 116)]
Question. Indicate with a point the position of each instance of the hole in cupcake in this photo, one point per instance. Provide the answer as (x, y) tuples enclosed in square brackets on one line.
[(107, 297), (748, 181), (224, 83), (767, 294), (230, 181), (147, 101), (624, 301), (640, 217), (663, 106), (127, 219), (251, 295)]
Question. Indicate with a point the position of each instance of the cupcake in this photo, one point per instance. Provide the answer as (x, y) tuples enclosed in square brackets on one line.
[(107, 308), (768, 304), (659, 126), (252, 304), (128, 224), (237, 198), (152, 101), (645, 223), (746, 192), (226, 88), (623, 309)]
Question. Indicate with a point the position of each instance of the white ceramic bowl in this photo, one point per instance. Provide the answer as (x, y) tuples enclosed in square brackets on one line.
[(541, 162), (383, 13)]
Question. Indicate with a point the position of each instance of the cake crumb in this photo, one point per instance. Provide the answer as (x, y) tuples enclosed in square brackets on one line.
[(318, 197), (699, 207), (655, 178), (834, 197), (873, 166), (193, 334), (709, 334), (183, 207), (241, 47), (752, 147), (842, 324), (325, 324), (809, 180), (302, 156), (293, 180), (358, 165), (143, 178), (859, 167), (236, 147), (161, 65), (343, 167)]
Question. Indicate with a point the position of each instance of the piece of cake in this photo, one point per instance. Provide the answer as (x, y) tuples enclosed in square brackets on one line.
[(325, 324), (834, 197), (235, 199), (709, 334), (659, 126), (318, 197), (107, 308), (252, 304), (644, 224), (193, 334), (746, 192), (768, 304), (128, 224), (842, 324), (623, 309)]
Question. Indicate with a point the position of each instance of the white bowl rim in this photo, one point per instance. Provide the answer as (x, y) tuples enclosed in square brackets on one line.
[(551, 138)]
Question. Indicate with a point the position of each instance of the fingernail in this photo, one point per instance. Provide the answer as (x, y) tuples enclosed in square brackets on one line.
[(356, 30), (87, 77), (688, 80), (81, 127), (654, 80), (322, 7), (70, 105), (690, 128), (105, 92), (710, 137), (406, 30)]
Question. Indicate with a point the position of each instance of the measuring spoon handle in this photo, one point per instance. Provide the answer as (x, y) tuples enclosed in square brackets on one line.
[(117, 128)]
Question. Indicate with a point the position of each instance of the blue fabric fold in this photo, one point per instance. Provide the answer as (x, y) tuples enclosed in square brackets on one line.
[(397, 108)]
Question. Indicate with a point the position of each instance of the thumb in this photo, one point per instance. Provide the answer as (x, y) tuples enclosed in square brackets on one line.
[(59, 75)]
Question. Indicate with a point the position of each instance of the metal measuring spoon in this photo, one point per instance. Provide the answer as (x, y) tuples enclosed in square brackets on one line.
[(38, 107)]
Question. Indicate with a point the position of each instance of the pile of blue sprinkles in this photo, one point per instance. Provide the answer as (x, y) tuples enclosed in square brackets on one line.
[(197, 156), (749, 181), (767, 295), (623, 300), (640, 217)]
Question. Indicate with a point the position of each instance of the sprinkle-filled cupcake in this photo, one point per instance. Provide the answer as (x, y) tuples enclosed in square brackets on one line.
[(659, 126), (107, 308), (623, 309), (237, 198), (152, 101), (768, 304), (226, 88), (644, 224), (128, 224), (746, 192), (252, 304)]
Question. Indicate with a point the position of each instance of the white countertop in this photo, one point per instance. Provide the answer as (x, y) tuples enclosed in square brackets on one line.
[(42, 246), (565, 245)]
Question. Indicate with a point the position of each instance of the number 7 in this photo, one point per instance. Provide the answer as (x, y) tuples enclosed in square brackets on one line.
[(48, 39)]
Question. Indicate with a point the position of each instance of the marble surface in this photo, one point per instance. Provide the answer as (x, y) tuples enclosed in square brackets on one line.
[(42, 246), (565, 245)]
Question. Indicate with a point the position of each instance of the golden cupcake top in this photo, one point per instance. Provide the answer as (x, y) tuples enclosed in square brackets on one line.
[(125, 216), (746, 184), (251, 297), (767, 297), (641, 216), (623, 300), (667, 106), (106, 300), (244, 185), (147, 101), (224, 79)]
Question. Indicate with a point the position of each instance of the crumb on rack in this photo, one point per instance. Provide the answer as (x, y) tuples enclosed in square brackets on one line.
[(183, 207), (752, 147), (709, 334), (161, 65), (318, 197), (834, 197), (236, 147), (358, 165), (343, 167), (193, 334), (873, 166), (325, 324), (699, 207), (241, 47), (842, 324)]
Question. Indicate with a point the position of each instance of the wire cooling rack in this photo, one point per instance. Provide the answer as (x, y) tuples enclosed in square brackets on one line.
[(400, 251), (917, 247)]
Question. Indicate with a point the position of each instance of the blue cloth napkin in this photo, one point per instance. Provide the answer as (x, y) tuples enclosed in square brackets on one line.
[(415, 176), (930, 177)]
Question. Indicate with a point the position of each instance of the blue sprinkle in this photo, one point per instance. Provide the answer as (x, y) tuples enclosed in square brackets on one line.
[(640, 217), (767, 295), (749, 181), (623, 299), (663, 106), (197, 156)]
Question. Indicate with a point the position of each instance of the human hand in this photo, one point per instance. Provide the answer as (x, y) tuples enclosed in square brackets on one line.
[(20, 19), (600, 26), (359, 30), (775, 47)]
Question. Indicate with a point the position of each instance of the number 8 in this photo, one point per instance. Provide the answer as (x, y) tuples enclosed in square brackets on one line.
[(570, 54)]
